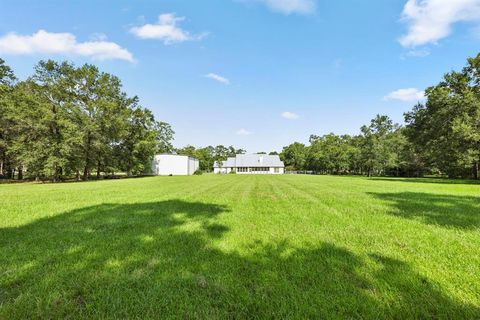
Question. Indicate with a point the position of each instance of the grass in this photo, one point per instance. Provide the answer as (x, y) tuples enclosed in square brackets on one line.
[(239, 246)]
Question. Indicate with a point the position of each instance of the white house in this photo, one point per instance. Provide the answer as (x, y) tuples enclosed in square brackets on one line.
[(174, 164), (251, 164)]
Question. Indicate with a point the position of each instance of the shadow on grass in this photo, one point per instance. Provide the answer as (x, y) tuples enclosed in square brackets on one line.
[(427, 180), (444, 210), (163, 260)]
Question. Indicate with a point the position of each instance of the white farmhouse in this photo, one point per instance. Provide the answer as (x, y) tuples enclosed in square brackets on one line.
[(174, 164), (251, 164)]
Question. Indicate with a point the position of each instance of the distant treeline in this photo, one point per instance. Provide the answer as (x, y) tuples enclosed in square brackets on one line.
[(441, 136), (209, 155), (382, 148), (74, 122)]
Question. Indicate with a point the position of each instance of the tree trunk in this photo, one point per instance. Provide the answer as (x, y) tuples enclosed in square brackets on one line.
[(55, 130), (98, 169), (20, 173), (475, 170), (1, 168), (55, 175), (85, 173), (87, 158)]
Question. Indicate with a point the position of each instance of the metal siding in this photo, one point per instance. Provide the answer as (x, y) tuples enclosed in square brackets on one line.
[(170, 164), (192, 165)]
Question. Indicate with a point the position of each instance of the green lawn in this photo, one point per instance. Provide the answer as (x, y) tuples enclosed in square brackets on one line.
[(238, 246)]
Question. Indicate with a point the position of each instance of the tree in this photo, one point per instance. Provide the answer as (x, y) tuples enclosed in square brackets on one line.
[(99, 103), (7, 80), (446, 128), (354, 154), (209, 155), (232, 151), (51, 87), (330, 154), (67, 120), (187, 151), (7, 77), (32, 144), (294, 155), (206, 158), (221, 153), (375, 147), (165, 135), (138, 145)]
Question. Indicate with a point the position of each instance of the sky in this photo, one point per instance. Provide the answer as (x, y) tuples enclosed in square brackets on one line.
[(256, 74)]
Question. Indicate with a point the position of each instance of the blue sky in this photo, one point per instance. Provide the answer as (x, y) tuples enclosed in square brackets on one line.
[(258, 74)]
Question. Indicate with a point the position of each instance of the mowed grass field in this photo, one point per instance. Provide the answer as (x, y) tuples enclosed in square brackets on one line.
[(238, 246)]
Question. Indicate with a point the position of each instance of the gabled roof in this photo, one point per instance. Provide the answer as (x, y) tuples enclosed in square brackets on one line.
[(252, 160)]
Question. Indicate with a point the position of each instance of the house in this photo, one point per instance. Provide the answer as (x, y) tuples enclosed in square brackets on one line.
[(174, 164), (251, 164)]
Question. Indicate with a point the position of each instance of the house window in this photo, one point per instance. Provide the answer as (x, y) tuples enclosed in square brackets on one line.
[(276, 170)]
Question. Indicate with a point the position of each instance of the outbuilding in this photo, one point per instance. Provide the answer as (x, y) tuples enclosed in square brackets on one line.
[(174, 165)]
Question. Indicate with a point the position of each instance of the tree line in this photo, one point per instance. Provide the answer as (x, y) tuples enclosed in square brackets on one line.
[(67, 122), (207, 156), (380, 149), (441, 136)]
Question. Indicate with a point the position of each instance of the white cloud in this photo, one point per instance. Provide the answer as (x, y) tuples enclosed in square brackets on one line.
[(243, 132), (289, 115), (218, 78), (431, 20), (288, 6), (44, 42), (409, 94), (166, 29)]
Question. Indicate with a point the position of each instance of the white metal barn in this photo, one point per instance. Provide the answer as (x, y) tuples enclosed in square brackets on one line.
[(174, 164), (251, 164)]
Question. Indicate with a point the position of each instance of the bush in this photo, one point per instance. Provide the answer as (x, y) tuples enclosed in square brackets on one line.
[(198, 172), (232, 172)]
